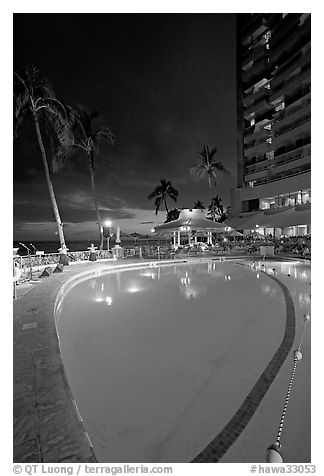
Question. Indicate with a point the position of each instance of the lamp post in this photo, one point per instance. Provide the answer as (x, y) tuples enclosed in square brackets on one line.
[(108, 232)]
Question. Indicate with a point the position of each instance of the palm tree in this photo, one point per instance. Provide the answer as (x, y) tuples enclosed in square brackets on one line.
[(216, 210), (208, 166), (33, 93), (161, 192), (172, 215), (87, 138), (198, 204)]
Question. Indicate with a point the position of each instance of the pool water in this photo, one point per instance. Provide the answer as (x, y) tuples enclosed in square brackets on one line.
[(159, 359)]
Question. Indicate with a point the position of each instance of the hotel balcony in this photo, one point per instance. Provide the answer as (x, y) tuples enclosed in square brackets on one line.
[(291, 85), (293, 154), (291, 116), (292, 133), (257, 108), (258, 149), (287, 70), (254, 97), (256, 137), (291, 162), (281, 175), (256, 176), (257, 172), (287, 24), (254, 54), (282, 52), (301, 99), (293, 63), (260, 68), (275, 186), (255, 28)]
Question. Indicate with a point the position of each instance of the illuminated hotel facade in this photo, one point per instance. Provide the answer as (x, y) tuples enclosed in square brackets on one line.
[(273, 192)]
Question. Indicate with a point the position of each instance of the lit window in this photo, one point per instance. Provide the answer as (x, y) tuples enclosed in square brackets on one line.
[(268, 127), (269, 140), (267, 35), (270, 155), (267, 85), (280, 106), (251, 184), (267, 46), (252, 122), (264, 205)]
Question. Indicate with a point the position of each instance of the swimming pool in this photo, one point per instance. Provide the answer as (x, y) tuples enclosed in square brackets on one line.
[(160, 358)]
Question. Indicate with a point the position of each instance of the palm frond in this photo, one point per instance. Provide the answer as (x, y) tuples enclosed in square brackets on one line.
[(60, 119), (198, 171), (106, 134), (221, 168), (155, 193), (20, 108)]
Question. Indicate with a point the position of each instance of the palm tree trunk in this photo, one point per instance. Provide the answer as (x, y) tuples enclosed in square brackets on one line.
[(49, 181), (95, 202), (166, 208)]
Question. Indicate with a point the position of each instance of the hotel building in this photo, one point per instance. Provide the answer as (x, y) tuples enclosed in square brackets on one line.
[(273, 192)]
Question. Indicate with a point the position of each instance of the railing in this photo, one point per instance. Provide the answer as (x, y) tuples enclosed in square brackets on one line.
[(34, 263), (276, 179), (287, 113), (29, 266), (289, 159), (286, 84), (278, 134)]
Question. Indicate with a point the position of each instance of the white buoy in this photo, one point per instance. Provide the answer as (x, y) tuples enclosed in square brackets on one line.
[(307, 317), (273, 455)]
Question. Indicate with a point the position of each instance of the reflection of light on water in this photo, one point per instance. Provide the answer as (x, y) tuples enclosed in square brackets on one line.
[(185, 280), (211, 268), (227, 277), (107, 300), (267, 289), (148, 274), (134, 289), (193, 292), (92, 283), (258, 275), (189, 289)]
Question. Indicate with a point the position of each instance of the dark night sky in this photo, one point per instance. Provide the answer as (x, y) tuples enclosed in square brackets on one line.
[(163, 83)]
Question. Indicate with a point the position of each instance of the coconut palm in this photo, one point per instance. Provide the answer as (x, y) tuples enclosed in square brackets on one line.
[(216, 210), (161, 193), (34, 94), (172, 215), (198, 204), (88, 138), (208, 166)]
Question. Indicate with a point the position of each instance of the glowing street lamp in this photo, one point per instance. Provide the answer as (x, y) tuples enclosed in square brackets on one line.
[(108, 231)]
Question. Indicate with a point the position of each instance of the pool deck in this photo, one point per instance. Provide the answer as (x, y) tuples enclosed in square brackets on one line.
[(47, 424)]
